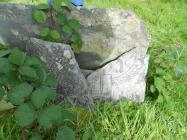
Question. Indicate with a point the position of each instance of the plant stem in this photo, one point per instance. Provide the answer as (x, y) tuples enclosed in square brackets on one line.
[(24, 134), (52, 20), (37, 129)]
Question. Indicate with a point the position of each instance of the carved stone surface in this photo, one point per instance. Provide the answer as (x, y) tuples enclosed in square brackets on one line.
[(61, 62), (124, 78), (106, 33)]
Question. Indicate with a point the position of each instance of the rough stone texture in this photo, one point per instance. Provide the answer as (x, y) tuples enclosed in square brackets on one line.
[(106, 33), (86, 73), (61, 62), (124, 78), (16, 24)]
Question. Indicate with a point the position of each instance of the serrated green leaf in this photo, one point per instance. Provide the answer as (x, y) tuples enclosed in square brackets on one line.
[(41, 76), (27, 71), (74, 24), (19, 92), (51, 81), (4, 52), (49, 116), (75, 37), (1, 91), (181, 68), (17, 57), (67, 29), (35, 137), (39, 16), (41, 95), (25, 115), (57, 4), (159, 84), (42, 6), (4, 65), (3, 80), (12, 79), (5, 106), (61, 19), (33, 61), (65, 133), (55, 34), (45, 32)]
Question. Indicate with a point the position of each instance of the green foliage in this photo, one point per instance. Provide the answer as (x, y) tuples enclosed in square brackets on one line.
[(39, 16), (65, 133), (25, 114), (18, 93), (68, 27), (26, 91)]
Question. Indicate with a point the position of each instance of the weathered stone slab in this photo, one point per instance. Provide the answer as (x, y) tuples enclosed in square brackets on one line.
[(61, 62), (124, 78), (106, 33)]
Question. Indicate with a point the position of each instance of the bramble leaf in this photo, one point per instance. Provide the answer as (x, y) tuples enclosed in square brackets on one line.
[(74, 24), (57, 4), (55, 34), (51, 81), (45, 32), (27, 71), (61, 20), (50, 116), (41, 76), (40, 96), (17, 57), (1, 91), (75, 37), (65, 133), (25, 115), (67, 29), (33, 61), (4, 65), (39, 16), (19, 92), (4, 52)]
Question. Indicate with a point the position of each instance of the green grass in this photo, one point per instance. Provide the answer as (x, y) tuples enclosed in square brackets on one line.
[(162, 119)]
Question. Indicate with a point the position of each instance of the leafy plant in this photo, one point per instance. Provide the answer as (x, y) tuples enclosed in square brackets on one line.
[(26, 93), (170, 69), (61, 28)]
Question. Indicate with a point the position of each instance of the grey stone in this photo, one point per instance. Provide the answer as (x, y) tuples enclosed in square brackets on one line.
[(86, 72), (106, 33), (124, 78), (61, 62)]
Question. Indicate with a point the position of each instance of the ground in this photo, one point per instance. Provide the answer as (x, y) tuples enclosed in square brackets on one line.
[(163, 116)]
